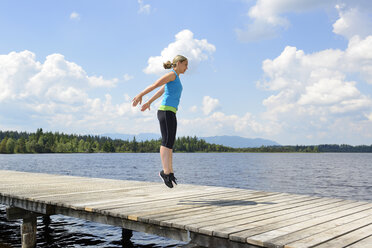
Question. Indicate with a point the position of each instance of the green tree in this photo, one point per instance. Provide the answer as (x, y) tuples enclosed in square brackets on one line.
[(134, 145), (31, 146), (95, 146), (21, 146), (3, 145), (10, 145), (38, 133), (81, 146), (108, 147), (88, 146)]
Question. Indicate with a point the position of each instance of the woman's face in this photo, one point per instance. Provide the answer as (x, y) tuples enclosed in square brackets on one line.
[(183, 66)]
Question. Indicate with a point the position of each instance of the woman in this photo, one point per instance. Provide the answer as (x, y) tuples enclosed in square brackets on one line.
[(169, 84)]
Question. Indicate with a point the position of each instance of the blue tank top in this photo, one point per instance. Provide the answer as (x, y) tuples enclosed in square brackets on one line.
[(172, 92)]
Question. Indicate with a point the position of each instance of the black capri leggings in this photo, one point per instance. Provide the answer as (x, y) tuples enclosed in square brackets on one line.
[(168, 127)]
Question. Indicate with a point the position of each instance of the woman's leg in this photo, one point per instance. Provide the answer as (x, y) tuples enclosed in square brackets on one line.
[(168, 128), (171, 161), (166, 159), (173, 135)]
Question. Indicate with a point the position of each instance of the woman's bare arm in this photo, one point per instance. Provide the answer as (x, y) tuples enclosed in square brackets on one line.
[(158, 94), (160, 82)]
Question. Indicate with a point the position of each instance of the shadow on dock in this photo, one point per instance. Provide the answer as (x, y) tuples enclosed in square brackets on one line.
[(222, 203)]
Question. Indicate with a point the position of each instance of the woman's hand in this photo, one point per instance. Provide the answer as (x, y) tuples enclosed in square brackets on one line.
[(136, 100), (145, 106)]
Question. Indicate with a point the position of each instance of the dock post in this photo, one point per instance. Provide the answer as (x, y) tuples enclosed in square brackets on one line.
[(126, 234), (28, 231), (28, 227)]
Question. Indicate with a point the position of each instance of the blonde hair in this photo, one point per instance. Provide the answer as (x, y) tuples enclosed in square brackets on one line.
[(178, 58)]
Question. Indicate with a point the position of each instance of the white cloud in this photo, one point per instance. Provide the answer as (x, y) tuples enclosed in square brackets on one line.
[(267, 17), (55, 95), (215, 122), (74, 16), (195, 50), (353, 21), (219, 123), (328, 91), (144, 8), (194, 109), (101, 82), (359, 56), (127, 77), (314, 94), (15, 69), (369, 116), (256, 31), (210, 104)]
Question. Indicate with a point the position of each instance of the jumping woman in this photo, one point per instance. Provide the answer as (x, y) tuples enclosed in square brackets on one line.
[(170, 85)]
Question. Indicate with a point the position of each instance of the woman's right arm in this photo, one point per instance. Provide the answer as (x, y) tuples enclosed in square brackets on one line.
[(152, 99), (160, 82)]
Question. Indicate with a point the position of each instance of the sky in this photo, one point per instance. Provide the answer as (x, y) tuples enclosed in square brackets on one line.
[(296, 72)]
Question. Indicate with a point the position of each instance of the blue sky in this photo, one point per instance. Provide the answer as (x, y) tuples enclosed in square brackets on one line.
[(297, 72)]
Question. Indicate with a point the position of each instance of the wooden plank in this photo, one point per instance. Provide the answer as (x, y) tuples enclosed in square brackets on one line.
[(124, 201), (193, 223), (153, 189), (137, 200), (164, 198), (199, 210), (52, 182), (282, 236), (60, 198), (288, 211), (187, 210), (214, 242), (84, 185), (136, 209), (13, 213), (24, 178), (32, 206), (148, 195), (342, 235), (219, 204), (251, 227), (192, 210), (34, 191), (154, 209), (271, 225), (77, 197), (364, 243), (224, 212)]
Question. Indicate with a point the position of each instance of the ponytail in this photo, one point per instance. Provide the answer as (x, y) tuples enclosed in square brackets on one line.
[(178, 58), (167, 65)]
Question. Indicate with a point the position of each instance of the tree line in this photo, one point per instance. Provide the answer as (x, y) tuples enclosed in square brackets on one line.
[(48, 142)]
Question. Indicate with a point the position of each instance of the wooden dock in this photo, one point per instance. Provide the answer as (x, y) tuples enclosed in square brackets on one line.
[(203, 215)]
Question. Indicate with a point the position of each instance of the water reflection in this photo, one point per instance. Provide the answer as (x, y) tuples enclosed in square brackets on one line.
[(62, 232)]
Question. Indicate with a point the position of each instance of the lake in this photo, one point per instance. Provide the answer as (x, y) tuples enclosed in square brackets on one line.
[(336, 175)]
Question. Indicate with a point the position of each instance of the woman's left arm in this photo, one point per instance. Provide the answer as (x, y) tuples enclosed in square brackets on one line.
[(160, 82)]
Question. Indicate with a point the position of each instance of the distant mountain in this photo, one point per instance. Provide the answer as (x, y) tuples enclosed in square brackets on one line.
[(231, 141), (239, 142), (139, 137)]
